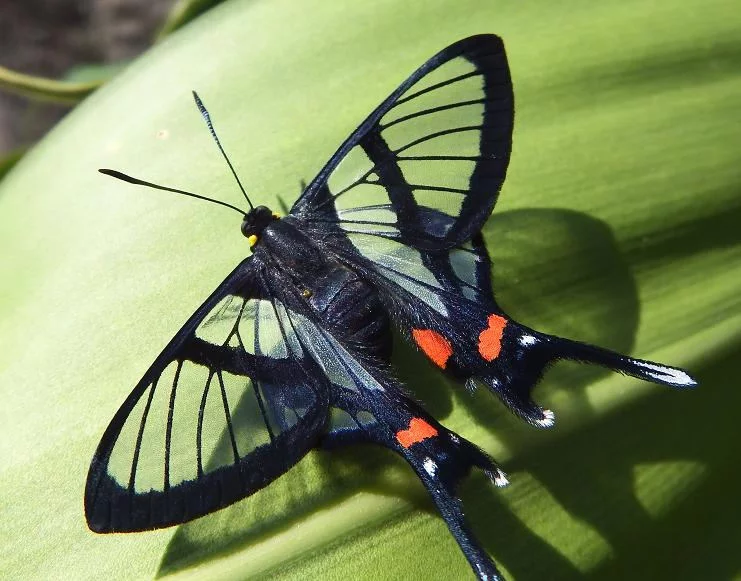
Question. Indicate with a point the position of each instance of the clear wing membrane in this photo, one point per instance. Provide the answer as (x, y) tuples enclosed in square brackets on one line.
[(428, 163), (441, 281), (230, 405)]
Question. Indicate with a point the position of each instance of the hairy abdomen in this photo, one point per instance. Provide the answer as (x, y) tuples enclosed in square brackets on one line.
[(353, 310)]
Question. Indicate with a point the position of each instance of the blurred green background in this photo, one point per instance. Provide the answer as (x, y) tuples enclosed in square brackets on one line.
[(618, 225)]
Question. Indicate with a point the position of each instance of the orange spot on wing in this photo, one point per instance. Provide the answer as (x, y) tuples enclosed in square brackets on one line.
[(435, 346), (418, 430), (490, 339)]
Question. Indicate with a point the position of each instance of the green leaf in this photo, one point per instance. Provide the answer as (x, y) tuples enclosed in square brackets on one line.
[(95, 73), (183, 12), (618, 225), (44, 89), (9, 159)]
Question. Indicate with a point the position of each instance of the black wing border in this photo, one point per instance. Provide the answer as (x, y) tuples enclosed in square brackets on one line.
[(110, 507), (483, 43)]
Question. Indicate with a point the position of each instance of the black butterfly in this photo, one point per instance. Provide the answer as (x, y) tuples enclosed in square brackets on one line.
[(292, 351)]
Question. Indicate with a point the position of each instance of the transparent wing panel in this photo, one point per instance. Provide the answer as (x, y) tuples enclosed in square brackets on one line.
[(226, 408), (434, 154)]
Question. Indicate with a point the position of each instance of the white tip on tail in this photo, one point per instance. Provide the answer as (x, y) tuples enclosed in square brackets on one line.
[(497, 477), (548, 419), (500, 479), (669, 375)]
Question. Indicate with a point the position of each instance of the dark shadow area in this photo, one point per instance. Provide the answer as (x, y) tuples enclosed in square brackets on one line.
[(560, 272), (572, 251), (590, 475), (696, 235), (547, 265)]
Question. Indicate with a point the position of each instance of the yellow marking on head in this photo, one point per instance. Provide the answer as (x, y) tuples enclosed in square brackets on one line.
[(252, 240), (276, 215)]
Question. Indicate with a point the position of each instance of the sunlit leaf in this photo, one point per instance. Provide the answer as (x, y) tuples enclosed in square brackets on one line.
[(618, 224)]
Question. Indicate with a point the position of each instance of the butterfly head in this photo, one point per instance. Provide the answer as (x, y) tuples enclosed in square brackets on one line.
[(255, 221)]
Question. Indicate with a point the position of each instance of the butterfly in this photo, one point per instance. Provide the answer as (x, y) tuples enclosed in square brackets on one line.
[(292, 351)]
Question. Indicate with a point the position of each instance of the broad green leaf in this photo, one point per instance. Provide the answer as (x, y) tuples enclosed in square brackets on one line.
[(618, 225)]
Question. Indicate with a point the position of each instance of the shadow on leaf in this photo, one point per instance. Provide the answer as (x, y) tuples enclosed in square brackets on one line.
[(557, 271)]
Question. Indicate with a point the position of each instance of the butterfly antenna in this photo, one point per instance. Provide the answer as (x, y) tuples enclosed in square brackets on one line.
[(207, 119), (137, 182)]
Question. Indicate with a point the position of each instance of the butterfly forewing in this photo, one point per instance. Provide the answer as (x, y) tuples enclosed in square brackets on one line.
[(440, 283), (428, 163), (232, 403)]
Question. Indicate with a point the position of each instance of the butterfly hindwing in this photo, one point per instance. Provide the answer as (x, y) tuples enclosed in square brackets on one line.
[(443, 302), (231, 403), (428, 163)]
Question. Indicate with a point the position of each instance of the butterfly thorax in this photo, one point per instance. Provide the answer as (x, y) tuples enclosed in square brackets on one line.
[(347, 305), (285, 244)]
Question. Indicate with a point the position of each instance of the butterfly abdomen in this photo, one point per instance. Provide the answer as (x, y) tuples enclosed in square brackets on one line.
[(353, 309)]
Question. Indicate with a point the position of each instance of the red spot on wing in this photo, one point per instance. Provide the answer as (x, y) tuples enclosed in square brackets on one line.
[(417, 431), (435, 346), (490, 339)]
